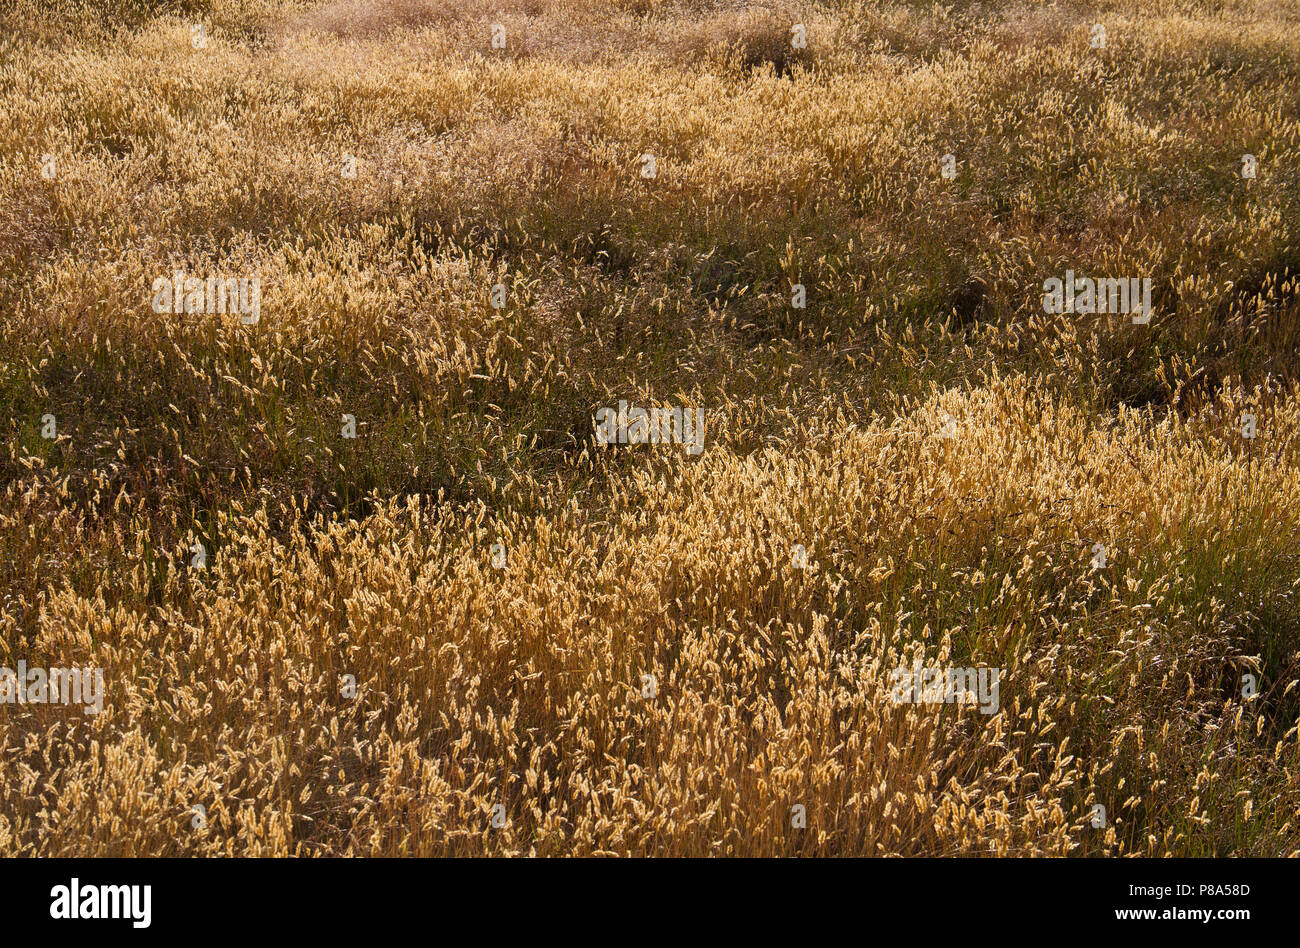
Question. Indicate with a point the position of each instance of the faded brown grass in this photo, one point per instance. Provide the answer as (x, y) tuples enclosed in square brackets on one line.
[(523, 687)]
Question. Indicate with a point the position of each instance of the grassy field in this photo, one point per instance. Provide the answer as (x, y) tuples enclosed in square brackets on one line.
[(362, 578)]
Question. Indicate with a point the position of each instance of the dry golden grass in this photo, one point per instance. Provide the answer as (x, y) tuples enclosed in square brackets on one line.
[(524, 686)]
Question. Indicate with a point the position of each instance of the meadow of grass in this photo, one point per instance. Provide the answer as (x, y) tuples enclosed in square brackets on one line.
[(500, 587)]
